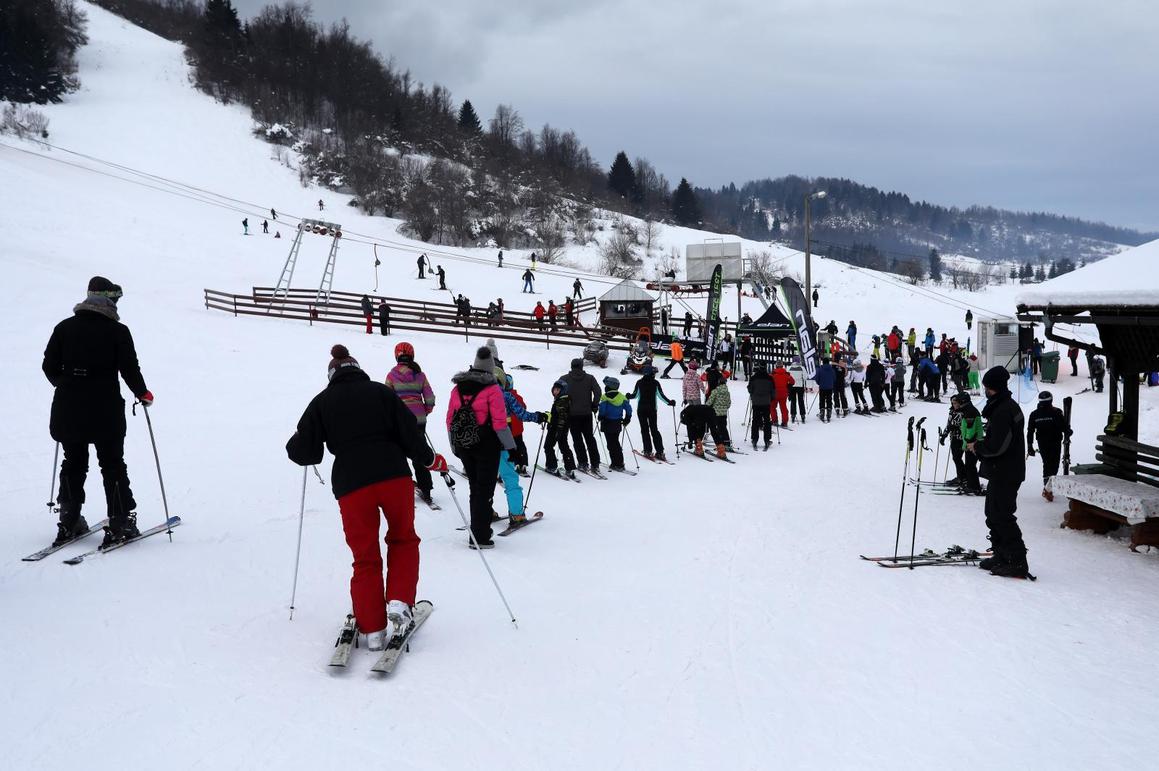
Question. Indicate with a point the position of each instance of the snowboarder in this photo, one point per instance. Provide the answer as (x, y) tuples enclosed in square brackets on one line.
[(557, 430), (410, 384), (851, 335), (1002, 453), (1049, 423), (442, 274), (615, 413), (797, 389), (245, 224), (84, 356), (368, 313), (676, 357), (761, 388), (826, 378), (648, 390), (371, 434), (720, 400), (422, 266), (528, 281), (384, 318), (478, 432), (584, 393), (577, 289)]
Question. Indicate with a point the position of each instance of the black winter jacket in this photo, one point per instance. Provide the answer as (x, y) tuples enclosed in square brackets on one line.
[(1049, 423), (365, 426), (1002, 451), (875, 374), (761, 389), (84, 356), (584, 392), (646, 390)]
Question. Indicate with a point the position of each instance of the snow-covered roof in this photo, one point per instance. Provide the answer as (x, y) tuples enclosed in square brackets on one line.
[(626, 291), (1127, 279)]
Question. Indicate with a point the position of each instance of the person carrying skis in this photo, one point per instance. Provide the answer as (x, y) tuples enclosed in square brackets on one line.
[(409, 383), (875, 380), (422, 265), (82, 360), (761, 388), (577, 289), (442, 274), (539, 313), (615, 413), (648, 390), (371, 434), (1049, 423), (826, 379), (478, 433), (857, 387), (557, 430), (584, 394), (797, 390), (676, 357), (1003, 457), (692, 389), (851, 335), (897, 384), (384, 318), (721, 401), (783, 384), (528, 281)]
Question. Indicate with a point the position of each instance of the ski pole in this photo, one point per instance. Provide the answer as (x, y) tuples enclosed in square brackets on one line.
[(52, 487), (298, 554), (471, 534), (938, 456), (909, 446), (157, 460), (675, 429), (632, 447), (917, 497), (531, 484), (777, 423)]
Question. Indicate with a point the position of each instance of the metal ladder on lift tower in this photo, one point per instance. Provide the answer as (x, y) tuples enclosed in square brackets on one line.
[(283, 286)]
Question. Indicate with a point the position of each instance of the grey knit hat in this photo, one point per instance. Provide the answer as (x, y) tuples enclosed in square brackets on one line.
[(484, 362)]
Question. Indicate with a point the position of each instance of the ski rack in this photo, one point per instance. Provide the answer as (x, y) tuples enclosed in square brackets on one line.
[(318, 227)]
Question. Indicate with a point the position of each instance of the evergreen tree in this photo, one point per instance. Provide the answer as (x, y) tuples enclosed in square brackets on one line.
[(622, 178), (1013, 273), (1040, 274), (1052, 271), (469, 120), (38, 41), (935, 265), (220, 45), (685, 206)]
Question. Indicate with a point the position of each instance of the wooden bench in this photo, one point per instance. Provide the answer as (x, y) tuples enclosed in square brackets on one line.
[(1126, 494)]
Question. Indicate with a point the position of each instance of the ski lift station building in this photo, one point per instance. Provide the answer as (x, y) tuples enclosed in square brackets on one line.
[(626, 306)]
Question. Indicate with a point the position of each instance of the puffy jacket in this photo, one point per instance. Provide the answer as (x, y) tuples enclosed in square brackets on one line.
[(797, 372), (898, 373), (927, 367), (972, 427), (720, 399), (826, 378), (648, 390), (929, 341), (517, 411), (760, 388), (560, 415), (414, 390), (584, 392), (857, 376), (893, 342), (1049, 423), (367, 428), (911, 339), (783, 380), (1003, 450), (614, 407), (676, 351), (691, 387), (487, 403)]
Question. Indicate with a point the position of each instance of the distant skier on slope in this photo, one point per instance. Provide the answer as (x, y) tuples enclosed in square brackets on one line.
[(84, 356), (371, 433)]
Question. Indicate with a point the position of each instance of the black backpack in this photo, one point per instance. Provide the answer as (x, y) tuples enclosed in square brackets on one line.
[(464, 428)]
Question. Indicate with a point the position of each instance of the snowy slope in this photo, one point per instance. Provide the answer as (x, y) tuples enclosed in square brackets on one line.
[(699, 616)]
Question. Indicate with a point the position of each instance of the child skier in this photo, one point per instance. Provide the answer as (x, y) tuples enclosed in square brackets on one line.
[(720, 400), (897, 385), (516, 414), (615, 411), (692, 387), (557, 430), (410, 383)]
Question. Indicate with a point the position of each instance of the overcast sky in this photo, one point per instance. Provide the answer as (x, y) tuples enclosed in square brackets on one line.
[(1021, 104)]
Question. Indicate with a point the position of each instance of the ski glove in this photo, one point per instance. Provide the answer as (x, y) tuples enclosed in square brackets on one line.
[(1030, 452), (438, 465), (146, 398), (627, 420), (542, 418)]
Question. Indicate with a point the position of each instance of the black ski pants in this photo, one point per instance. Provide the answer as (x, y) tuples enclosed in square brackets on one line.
[(761, 422), (970, 466), (519, 457), (913, 378), (587, 452), (826, 408), (649, 432), (932, 382), (1050, 454), (422, 475), (839, 399), (858, 390), (1074, 366), (1005, 535), (557, 437), (746, 363), (797, 401), (75, 468), (611, 431), (956, 452), (482, 467), (672, 364), (897, 393), (719, 429), (875, 396)]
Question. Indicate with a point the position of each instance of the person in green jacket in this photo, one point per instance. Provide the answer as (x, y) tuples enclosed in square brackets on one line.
[(720, 400), (972, 430)]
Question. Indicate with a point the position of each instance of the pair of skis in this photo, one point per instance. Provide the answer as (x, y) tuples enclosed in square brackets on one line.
[(653, 458), (955, 555), (395, 647), (167, 527)]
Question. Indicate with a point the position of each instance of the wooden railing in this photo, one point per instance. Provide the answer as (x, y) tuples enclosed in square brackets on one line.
[(1128, 459)]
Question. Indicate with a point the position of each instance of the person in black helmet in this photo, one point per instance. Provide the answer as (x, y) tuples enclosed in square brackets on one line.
[(1003, 457), (1050, 425), (84, 356)]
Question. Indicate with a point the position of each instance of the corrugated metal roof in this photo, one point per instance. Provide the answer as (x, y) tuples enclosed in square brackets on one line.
[(626, 291)]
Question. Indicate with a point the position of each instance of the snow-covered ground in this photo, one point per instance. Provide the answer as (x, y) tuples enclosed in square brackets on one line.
[(698, 616)]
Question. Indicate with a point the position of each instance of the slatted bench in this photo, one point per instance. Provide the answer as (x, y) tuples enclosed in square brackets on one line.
[(1127, 494)]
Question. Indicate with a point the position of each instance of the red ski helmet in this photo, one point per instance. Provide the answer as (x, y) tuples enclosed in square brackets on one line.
[(404, 352)]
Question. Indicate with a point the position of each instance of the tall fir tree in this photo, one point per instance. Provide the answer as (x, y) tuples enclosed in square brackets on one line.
[(685, 206), (622, 178), (935, 265), (469, 120)]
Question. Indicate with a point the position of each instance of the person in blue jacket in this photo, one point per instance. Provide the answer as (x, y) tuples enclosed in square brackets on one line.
[(614, 411), (851, 336), (929, 342), (931, 376), (826, 379)]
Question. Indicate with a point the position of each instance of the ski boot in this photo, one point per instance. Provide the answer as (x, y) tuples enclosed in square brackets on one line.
[(768, 444), (1048, 495), (70, 526), (720, 452), (120, 529), (398, 613), (481, 545), (583, 467), (699, 451), (616, 467), (660, 457), (376, 641), (1014, 567), (754, 444), (425, 497), (570, 474)]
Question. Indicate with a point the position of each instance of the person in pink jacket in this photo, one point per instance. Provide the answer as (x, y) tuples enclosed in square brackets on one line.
[(409, 381), (477, 389), (693, 388)]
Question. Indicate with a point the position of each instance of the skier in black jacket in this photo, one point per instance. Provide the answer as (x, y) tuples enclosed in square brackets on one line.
[(83, 358), (648, 390), (761, 390), (371, 433), (875, 381), (1003, 456), (1050, 425), (584, 393)]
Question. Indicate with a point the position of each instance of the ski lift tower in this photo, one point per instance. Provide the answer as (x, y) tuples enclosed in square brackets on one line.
[(315, 227)]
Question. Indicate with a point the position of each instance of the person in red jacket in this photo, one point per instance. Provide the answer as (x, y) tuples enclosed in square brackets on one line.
[(552, 313), (371, 433), (539, 313), (782, 381)]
